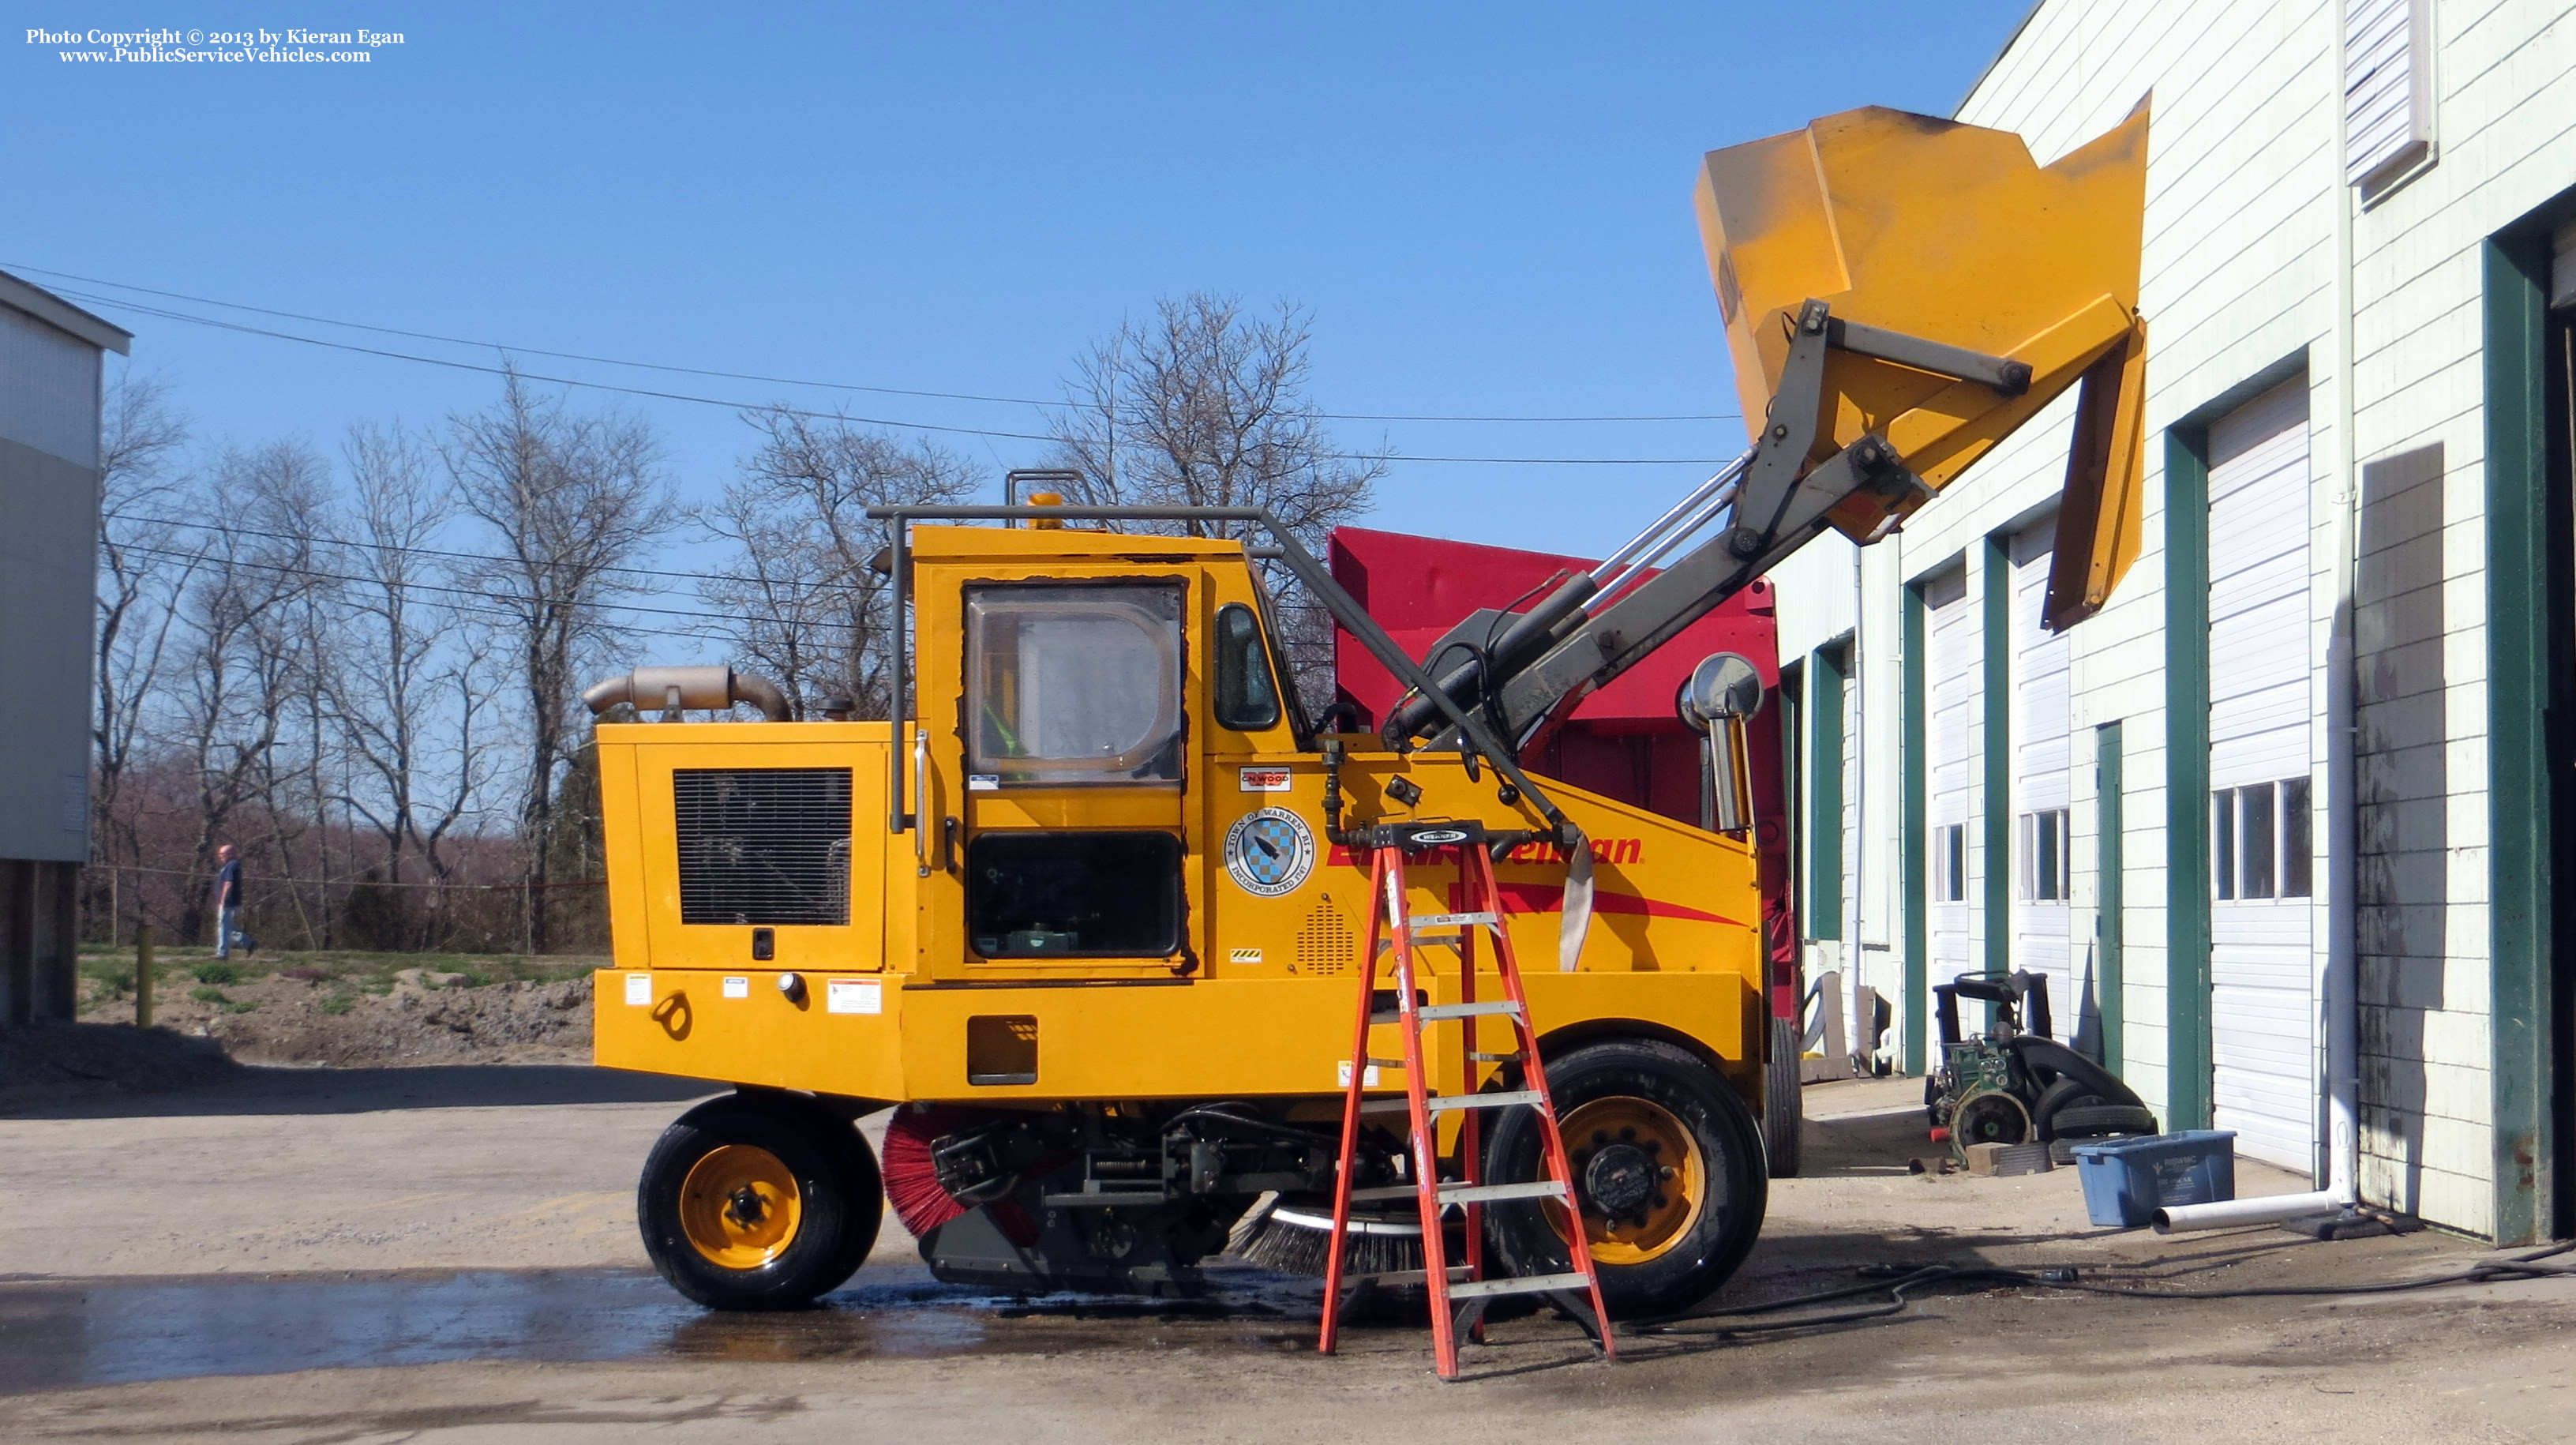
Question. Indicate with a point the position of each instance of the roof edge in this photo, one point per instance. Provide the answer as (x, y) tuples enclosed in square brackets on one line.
[(62, 315), (1997, 58)]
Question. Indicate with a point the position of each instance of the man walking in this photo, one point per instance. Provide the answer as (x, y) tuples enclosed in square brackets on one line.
[(228, 903)]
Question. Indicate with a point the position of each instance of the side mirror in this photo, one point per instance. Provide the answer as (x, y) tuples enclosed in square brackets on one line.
[(1724, 685), (1722, 692)]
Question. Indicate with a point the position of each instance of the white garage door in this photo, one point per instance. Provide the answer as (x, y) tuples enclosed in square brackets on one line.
[(1953, 844), (2042, 865), (2262, 967)]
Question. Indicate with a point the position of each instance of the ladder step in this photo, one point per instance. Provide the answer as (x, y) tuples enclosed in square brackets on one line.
[(1505, 1100), (1486, 1193), (1508, 1099), (1452, 920), (1464, 1193), (1432, 1013), (1514, 1057), (1457, 1276), (1526, 1284)]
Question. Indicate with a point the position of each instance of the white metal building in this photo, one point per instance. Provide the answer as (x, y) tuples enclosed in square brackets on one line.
[(2326, 729), (50, 352)]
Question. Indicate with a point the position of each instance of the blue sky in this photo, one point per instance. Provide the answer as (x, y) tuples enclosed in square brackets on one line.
[(1486, 208)]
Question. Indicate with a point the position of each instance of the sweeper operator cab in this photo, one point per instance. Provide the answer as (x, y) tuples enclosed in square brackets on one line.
[(1089, 909)]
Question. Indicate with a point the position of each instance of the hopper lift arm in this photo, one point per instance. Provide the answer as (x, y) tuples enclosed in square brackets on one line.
[(1766, 504), (1954, 234)]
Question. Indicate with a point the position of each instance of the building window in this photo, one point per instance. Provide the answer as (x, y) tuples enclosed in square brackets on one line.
[(2262, 843), (1950, 863), (2387, 87), (2045, 873)]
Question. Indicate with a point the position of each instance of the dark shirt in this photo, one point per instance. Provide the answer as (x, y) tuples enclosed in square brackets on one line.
[(228, 885)]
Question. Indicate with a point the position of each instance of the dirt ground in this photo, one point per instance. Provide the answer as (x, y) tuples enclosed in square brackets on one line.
[(448, 1254), (350, 1009)]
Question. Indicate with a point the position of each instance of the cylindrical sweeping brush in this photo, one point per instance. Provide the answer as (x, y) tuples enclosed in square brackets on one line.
[(912, 1178), (1290, 1234)]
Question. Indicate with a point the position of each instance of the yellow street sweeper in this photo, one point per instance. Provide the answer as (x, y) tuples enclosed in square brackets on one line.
[(1089, 909)]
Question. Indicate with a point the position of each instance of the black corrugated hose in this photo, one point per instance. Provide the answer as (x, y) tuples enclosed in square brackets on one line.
[(1901, 1281)]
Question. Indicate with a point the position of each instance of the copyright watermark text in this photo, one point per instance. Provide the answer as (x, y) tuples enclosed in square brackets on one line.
[(214, 47)]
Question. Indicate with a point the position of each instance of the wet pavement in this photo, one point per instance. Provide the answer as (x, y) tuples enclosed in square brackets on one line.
[(58, 1334)]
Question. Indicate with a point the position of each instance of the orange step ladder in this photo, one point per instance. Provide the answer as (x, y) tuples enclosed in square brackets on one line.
[(1459, 1293)]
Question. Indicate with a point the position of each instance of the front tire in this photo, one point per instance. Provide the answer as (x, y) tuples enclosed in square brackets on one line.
[(1668, 1170), (757, 1203), (1783, 1105)]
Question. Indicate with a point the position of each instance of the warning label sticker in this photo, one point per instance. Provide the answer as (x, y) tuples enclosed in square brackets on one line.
[(853, 996)]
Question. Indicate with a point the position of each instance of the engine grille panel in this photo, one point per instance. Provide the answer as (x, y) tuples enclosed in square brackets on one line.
[(1327, 941), (763, 845)]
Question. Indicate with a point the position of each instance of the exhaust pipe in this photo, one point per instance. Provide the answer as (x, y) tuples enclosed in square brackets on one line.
[(672, 688)]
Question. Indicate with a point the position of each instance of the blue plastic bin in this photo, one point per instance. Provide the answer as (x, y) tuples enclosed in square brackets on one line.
[(2127, 1181)]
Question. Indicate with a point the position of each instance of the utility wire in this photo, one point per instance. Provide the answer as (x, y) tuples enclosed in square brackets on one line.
[(731, 404), (496, 602), (771, 380), (356, 545), (360, 882)]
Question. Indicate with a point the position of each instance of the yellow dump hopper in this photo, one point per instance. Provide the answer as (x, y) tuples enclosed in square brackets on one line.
[(1967, 288)]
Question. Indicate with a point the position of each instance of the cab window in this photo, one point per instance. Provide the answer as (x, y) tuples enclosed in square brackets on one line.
[(1074, 895), (1247, 697), (1071, 684)]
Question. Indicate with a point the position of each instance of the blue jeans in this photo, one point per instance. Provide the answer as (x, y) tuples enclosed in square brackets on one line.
[(227, 929)]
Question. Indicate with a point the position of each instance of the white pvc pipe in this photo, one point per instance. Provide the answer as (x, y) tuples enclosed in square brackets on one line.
[(2229, 1213)]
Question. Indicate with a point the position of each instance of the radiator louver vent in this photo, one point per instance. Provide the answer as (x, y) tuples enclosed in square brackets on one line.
[(763, 845), (1326, 942)]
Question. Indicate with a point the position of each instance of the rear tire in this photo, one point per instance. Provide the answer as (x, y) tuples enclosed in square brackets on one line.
[(1783, 1106), (1690, 1227), (2071, 1108), (759, 1202), (2064, 1094), (2095, 1121)]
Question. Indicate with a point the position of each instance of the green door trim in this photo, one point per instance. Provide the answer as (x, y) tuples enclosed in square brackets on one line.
[(1995, 685), (1914, 832), (2519, 784), (1827, 670), (2188, 1052), (2110, 980)]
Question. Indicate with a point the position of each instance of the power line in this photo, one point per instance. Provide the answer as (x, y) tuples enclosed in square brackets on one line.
[(356, 882), (775, 380), (497, 603), (775, 408), (357, 545)]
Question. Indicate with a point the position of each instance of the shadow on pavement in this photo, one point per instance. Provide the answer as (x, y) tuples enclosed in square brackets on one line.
[(361, 1091)]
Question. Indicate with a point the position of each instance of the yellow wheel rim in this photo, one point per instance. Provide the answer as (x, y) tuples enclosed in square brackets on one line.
[(1639, 1152), (740, 1206)]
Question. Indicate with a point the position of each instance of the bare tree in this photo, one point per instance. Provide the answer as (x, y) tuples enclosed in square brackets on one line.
[(145, 561), (1206, 405), (405, 688), (573, 502), (246, 668), (802, 603)]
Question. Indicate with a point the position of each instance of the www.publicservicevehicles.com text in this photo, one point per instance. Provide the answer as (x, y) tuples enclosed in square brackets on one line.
[(238, 47)]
